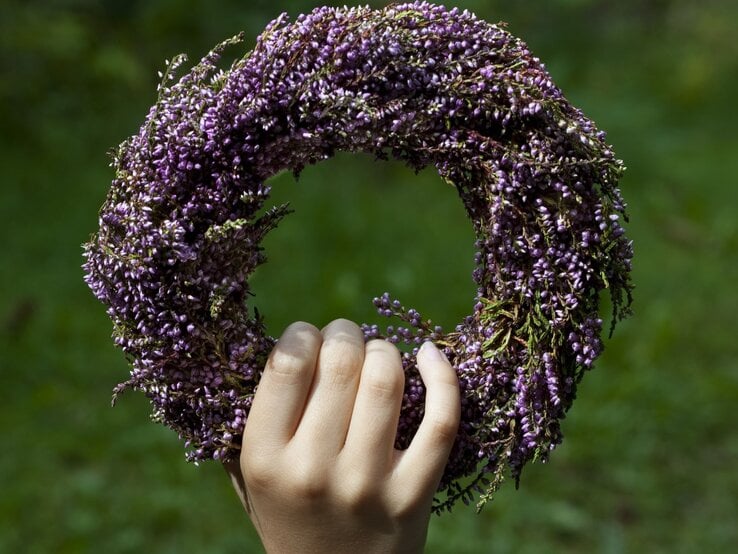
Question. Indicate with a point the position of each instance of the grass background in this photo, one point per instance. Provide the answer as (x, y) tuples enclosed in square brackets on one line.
[(650, 455)]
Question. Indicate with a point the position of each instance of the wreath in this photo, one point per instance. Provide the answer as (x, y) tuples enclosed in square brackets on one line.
[(180, 231)]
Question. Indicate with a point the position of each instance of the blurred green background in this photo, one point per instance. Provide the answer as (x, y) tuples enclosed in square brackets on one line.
[(651, 450)]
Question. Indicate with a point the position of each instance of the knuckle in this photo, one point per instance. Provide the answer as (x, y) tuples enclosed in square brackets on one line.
[(357, 493), (293, 356), (341, 324), (340, 360), (287, 367), (342, 352), (444, 425), (302, 328), (405, 501), (407, 507), (383, 347), (306, 483), (258, 471), (383, 381), (339, 373)]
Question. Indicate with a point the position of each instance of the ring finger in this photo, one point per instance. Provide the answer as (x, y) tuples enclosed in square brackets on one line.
[(371, 436)]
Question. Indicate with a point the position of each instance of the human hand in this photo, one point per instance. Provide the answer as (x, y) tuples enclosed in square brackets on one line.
[(318, 470)]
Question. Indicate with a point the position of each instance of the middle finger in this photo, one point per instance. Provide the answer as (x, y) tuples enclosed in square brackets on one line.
[(331, 399)]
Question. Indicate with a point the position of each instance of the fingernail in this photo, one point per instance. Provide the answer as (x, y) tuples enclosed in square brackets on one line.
[(431, 350)]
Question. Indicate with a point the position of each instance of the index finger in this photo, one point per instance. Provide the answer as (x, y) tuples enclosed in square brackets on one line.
[(283, 389)]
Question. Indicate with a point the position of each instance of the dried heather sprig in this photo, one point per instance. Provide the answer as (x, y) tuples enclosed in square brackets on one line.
[(181, 229)]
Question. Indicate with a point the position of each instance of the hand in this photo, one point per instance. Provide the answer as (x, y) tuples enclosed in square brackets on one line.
[(318, 470)]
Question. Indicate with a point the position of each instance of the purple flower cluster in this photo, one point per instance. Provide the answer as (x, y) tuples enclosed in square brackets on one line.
[(181, 228)]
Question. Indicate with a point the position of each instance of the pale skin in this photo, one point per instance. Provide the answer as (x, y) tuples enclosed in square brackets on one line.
[(318, 470)]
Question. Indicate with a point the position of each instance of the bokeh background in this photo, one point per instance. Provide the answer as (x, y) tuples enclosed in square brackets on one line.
[(650, 458)]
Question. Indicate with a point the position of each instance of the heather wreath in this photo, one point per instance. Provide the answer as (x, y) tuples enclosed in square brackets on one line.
[(181, 228)]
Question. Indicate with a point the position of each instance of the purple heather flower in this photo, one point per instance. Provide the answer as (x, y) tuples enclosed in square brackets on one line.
[(181, 229)]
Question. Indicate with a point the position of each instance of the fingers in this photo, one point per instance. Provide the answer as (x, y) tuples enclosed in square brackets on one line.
[(371, 435), (280, 398), (329, 396), (331, 400), (421, 465)]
